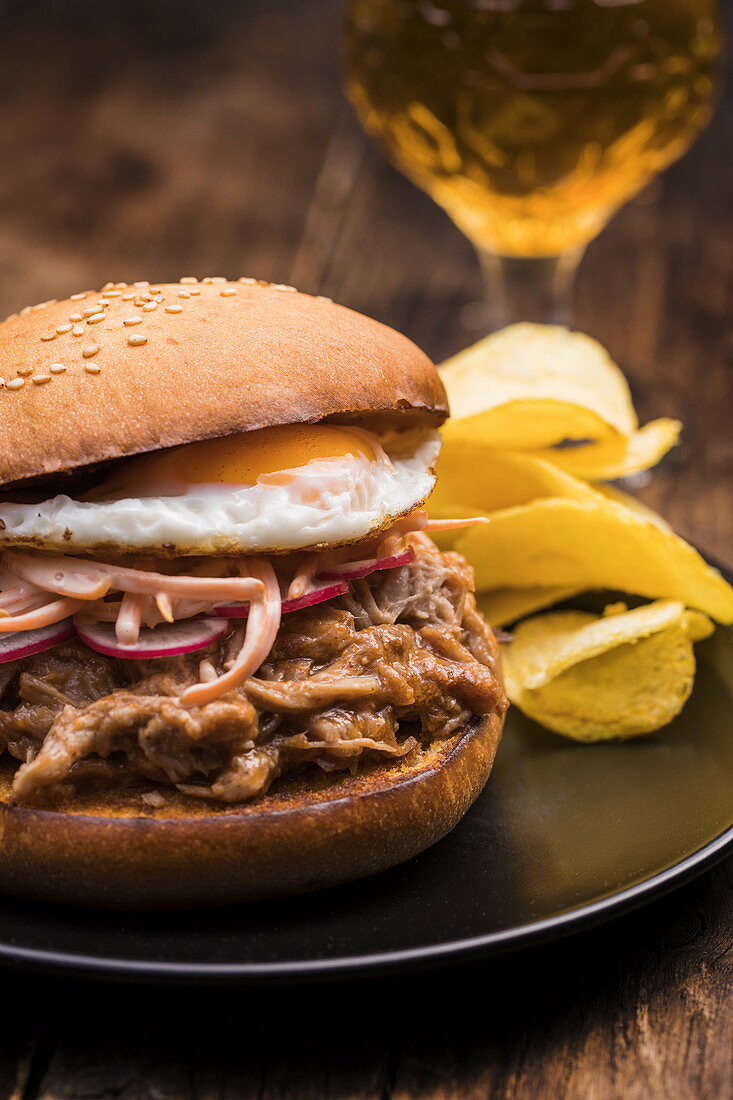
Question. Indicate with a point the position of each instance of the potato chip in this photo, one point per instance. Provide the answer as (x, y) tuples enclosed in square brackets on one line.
[(531, 386), (506, 605), (593, 678), (592, 544), (698, 626), (629, 691), (547, 645), (474, 478), (634, 504), (617, 456)]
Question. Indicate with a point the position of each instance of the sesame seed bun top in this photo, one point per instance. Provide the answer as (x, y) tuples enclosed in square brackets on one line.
[(137, 368)]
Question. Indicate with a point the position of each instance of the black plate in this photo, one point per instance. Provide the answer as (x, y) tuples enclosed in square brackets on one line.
[(564, 835)]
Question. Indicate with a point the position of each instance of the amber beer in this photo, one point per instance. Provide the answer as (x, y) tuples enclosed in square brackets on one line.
[(531, 121)]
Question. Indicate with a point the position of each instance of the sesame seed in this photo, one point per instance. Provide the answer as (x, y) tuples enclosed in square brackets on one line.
[(195, 291), (2, 383), (25, 371), (262, 282), (127, 297), (90, 350), (49, 336), (210, 279), (281, 286), (228, 292), (25, 310), (120, 286), (92, 368), (78, 330), (136, 339), (90, 310), (149, 306), (247, 280), (108, 286), (15, 383), (134, 320), (75, 317), (189, 279), (39, 379), (112, 292), (184, 293), (143, 282), (61, 329), (78, 297), (174, 309), (323, 298), (103, 303), (95, 318), (57, 368)]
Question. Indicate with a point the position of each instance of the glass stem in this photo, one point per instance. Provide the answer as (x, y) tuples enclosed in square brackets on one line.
[(538, 289)]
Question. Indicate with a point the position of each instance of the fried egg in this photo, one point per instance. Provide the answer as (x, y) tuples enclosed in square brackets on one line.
[(277, 489)]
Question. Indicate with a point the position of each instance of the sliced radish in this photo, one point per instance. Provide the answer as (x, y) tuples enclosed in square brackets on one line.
[(23, 643), (318, 595), (355, 570), (166, 640), (338, 584)]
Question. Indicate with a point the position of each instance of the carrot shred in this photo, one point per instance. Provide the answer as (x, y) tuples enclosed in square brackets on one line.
[(263, 623), (129, 617), (453, 524), (67, 577), (51, 612)]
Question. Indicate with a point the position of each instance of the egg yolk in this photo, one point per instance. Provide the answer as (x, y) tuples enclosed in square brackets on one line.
[(235, 459)]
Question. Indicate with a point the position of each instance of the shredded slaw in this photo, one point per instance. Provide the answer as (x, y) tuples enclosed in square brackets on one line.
[(37, 590)]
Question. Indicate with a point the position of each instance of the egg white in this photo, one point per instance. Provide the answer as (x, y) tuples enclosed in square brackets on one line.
[(326, 502)]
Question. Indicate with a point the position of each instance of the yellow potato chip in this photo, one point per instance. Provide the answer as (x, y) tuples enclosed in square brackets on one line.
[(531, 386), (507, 605), (596, 677), (635, 505), (628, 691), (592, 544), (698, 626), (547, 645), (617, 456), (472, 479)]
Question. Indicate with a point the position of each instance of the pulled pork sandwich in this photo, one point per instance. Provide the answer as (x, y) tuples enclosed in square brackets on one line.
[(233, 665)]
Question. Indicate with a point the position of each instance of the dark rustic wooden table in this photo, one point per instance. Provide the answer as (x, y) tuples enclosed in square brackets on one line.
[(155, 140)]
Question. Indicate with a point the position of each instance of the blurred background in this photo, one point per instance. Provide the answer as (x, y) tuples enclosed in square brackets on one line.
[(157, 140)]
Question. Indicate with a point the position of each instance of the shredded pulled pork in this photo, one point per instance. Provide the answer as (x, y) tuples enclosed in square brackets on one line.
[(403, 658)]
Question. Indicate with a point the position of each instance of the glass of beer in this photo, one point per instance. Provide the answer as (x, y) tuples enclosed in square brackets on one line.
[(532, 121)]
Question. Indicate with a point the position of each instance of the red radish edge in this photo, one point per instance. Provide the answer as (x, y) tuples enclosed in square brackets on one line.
[(355, 570), (101, 637), (318, 595), (152, 642), (24, 643)]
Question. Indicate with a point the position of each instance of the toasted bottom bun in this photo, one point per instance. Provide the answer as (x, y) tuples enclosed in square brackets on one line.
[(308, 832)]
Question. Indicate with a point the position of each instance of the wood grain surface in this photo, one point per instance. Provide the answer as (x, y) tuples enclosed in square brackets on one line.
[(156, 140)]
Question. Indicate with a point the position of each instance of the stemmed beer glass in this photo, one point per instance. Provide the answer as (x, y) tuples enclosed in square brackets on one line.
[(532, 121)]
